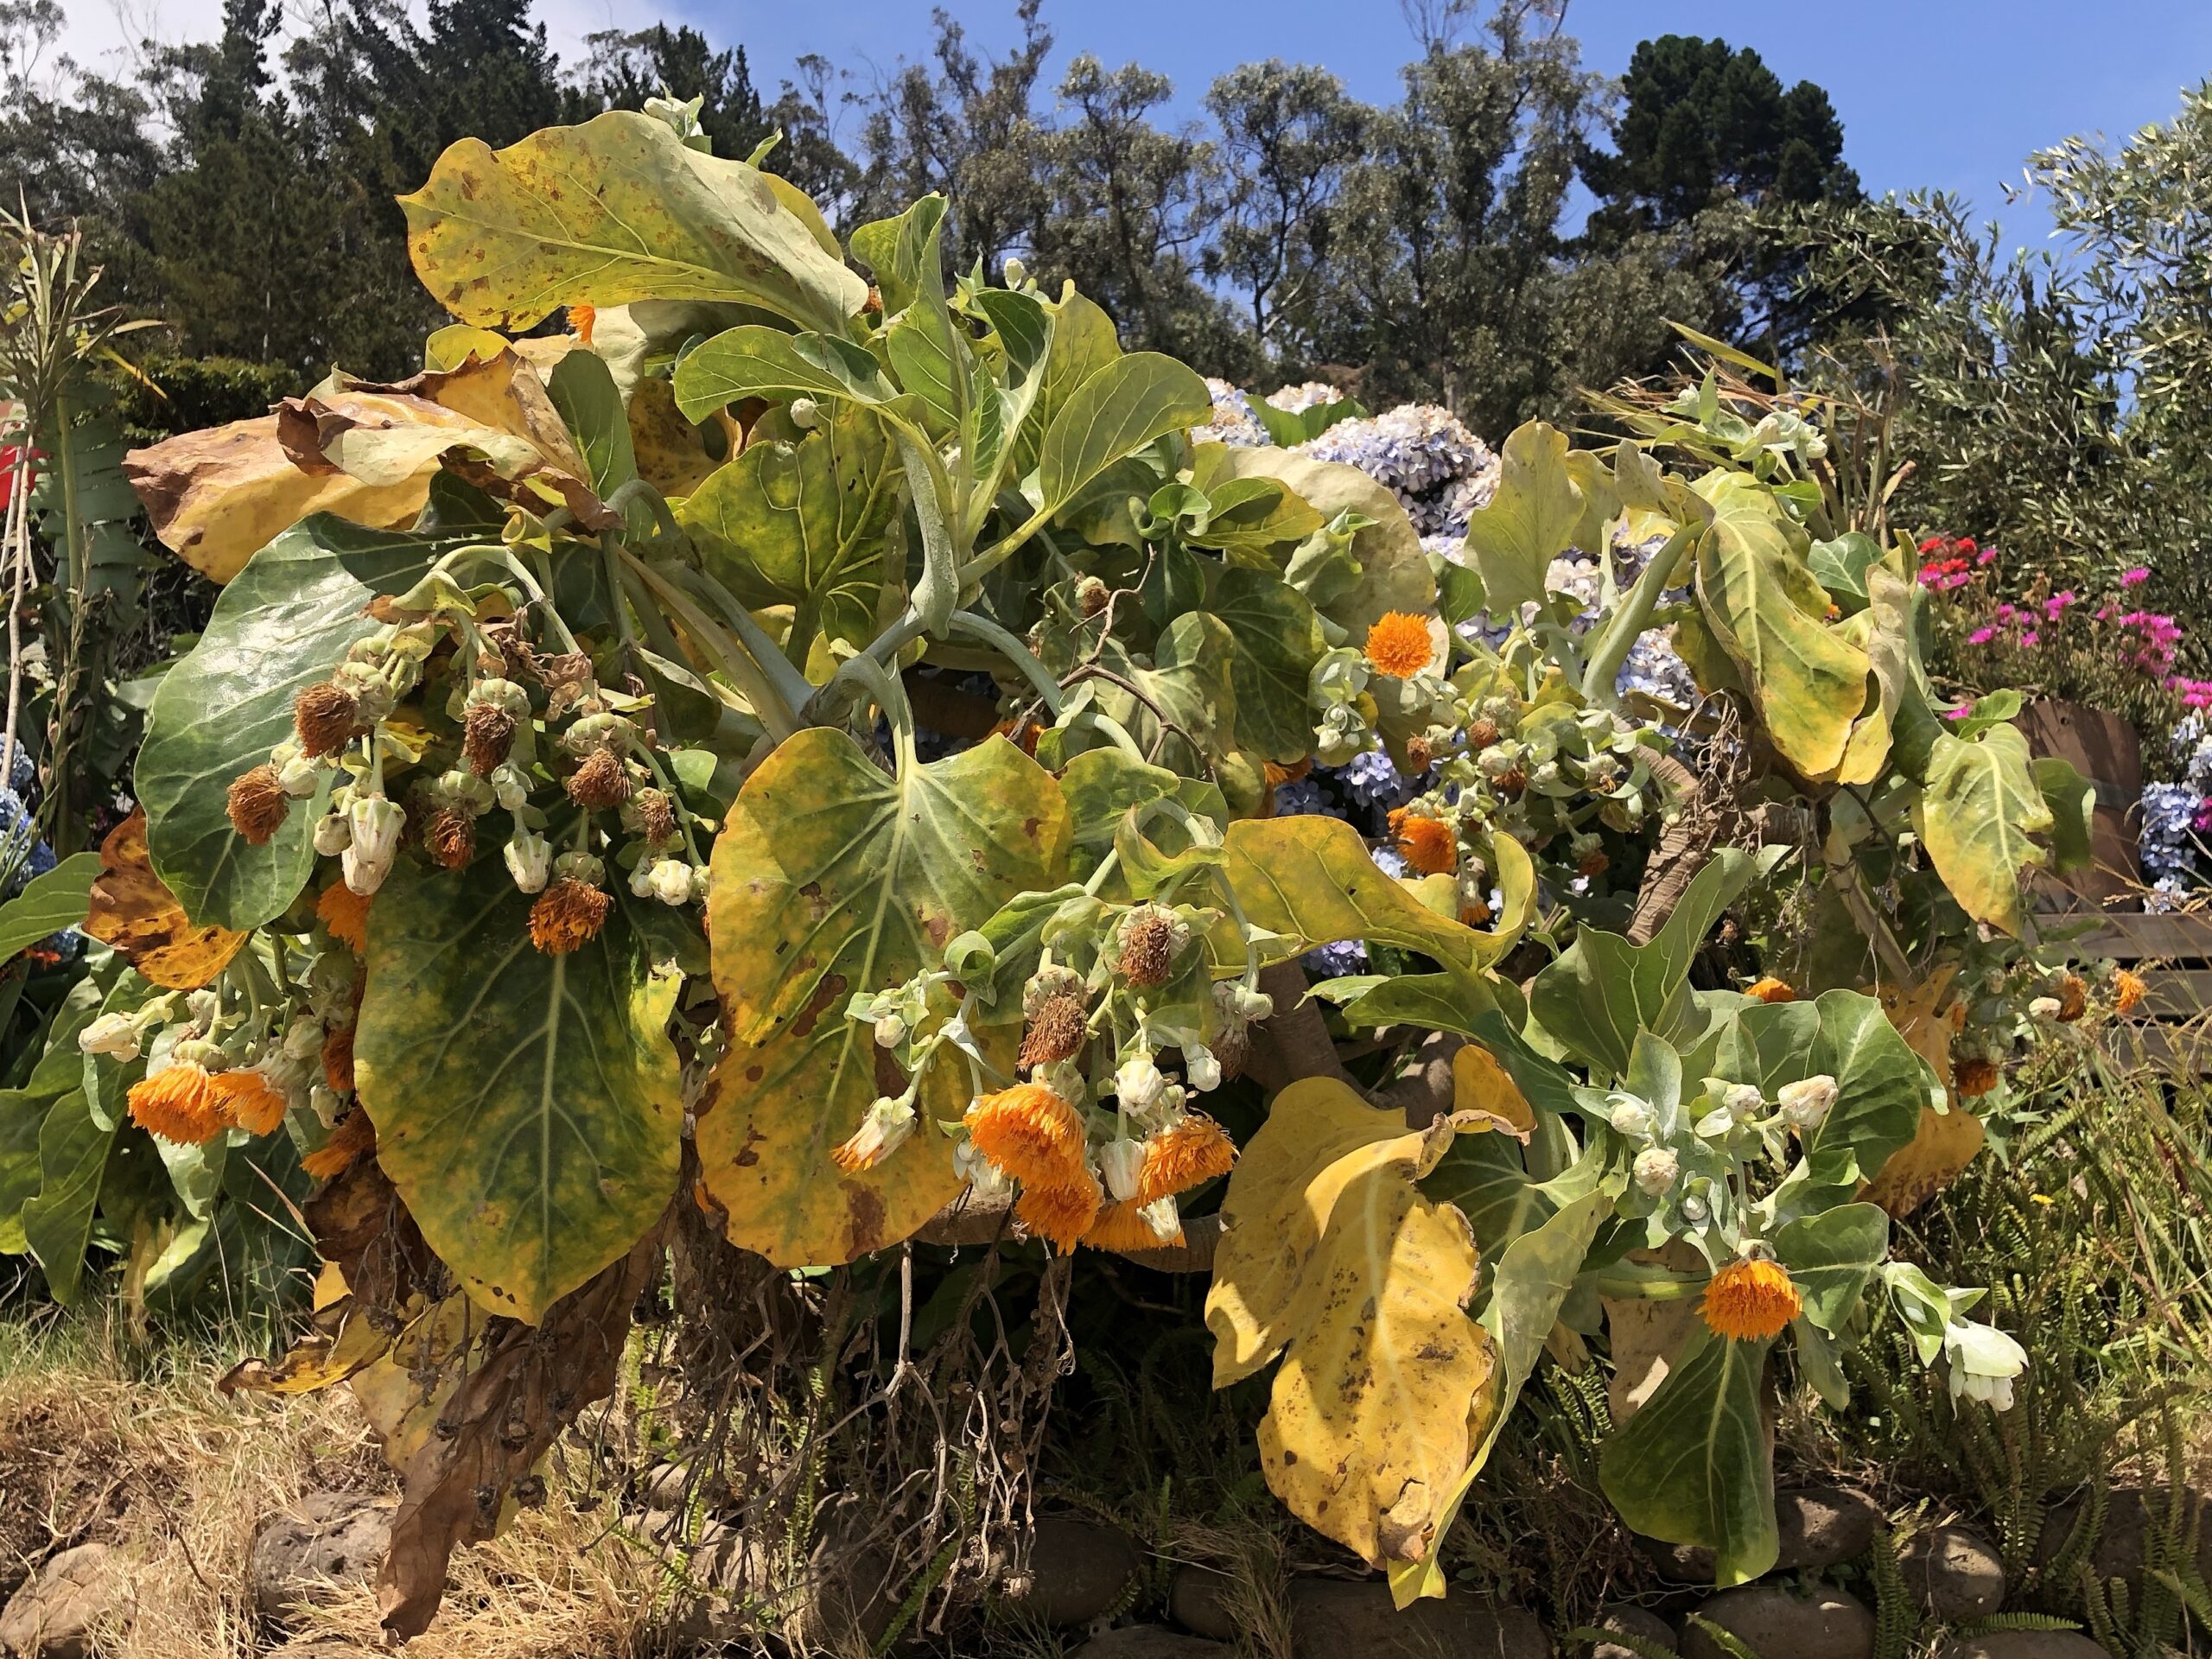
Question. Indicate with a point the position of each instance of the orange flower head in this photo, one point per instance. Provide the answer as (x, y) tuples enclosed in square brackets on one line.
[(180, 1103), (1060, 1213), (1771, 990), (567, 916), (257, 805), (354, 1135), (1176, 1160), (345, 913), (2127, 989), (2073, 998), (1398, 644), (1474, 913), (581, 318), (1030, 1132), (248, 1099), (1121, 1227), (1427, 844), (1277, 774), (1972, 1079), (1750, 1300), (1593, 863)]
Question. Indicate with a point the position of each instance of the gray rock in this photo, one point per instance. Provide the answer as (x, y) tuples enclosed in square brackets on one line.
[(1954, 1573), (1195, 1601), (78, 1597), (2024, 1645), (664, 1488), (1639, 1622), (1775, 1623), (1148, 1642), (1338, 1619), (307, 1555), (1078, 1571), (1818, 1526), (2119, 1548)]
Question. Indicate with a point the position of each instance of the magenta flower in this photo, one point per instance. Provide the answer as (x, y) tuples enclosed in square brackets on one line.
[(2032, 637), (1981, 636), (2135, 577)]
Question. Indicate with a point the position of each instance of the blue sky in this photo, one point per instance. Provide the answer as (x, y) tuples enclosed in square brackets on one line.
[(1948, 93)]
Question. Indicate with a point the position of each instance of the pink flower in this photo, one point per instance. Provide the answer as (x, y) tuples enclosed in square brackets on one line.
[(1958, 713), (1981, 636), (2053, 606), (2032, 637), (1986, 557), (2135, 577)]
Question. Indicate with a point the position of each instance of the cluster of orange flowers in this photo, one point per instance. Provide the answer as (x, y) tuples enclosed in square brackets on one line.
[(1034, 1136)]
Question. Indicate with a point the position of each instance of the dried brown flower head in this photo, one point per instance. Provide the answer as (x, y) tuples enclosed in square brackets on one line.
[(601, 782), (655, 815), (325, 716), (257, 805), (1147, 951), (1483, 733), (450, 837), (488, 733), (1057, 1031)]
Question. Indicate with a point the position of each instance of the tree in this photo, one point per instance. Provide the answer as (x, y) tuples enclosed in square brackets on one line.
[(1288, 134), (627, 69)]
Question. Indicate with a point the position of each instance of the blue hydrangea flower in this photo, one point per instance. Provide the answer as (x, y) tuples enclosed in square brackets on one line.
[(1304, 797), (1335, 961)]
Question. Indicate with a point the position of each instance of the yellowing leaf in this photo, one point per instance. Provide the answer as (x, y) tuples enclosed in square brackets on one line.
[(610, 213), (1769, 613), (1529, 522), (1333, 1258), (1976, 817), (1480, 1084), (1310, 880), (1383, 1395), (217, 497), (1945, 1142), (832, 877)]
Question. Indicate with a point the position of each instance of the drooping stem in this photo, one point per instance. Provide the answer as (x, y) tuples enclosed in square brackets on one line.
[(731, 658)]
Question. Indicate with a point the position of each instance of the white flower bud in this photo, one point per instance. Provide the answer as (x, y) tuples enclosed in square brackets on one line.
[(1695, 1210), (1805, 1103), (985, 1180), (1122, 1161), (1628, 1115), (375, 823), (580, 867), (509, 787), (671, 881), (1139, 1083), (1743, 1101), (1984, 1362), (1202, 1069), (325, 1103), (1253, 1005), (298, 777), (333, 834), (890, 1031), (530, 861), (2044, 1009), (1656, 1170), (113, 1034), (1164, 1218), (303, 1039), (806, 414)]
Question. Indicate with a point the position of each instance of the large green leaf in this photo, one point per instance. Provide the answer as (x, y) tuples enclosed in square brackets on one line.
[(1769, 615), (614, 210), (1274, 640), (1881, 1084), (1694, 1466), (1981, 804), (833, 877), (754, 360), (1191, 684), (2072, 799), (1831, 1256), (1393, 572), (527, 1106), (1602, 990), (583, 389), (281, 624), (1117, 411), (802, 524), (57, 1225), (1529, 522), (48, 904)]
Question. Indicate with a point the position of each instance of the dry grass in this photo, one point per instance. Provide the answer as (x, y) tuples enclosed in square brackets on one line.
[(103, 1439)]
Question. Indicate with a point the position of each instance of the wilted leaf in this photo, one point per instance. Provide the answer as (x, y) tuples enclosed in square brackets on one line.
[(1947, 1141), (527, 1105), (1770, 615), (130, 909), (1975, 818), (284, 623), (804, 524), (671, 453), (832, 877), (612, 211), (217, 497), (521, 1387)]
